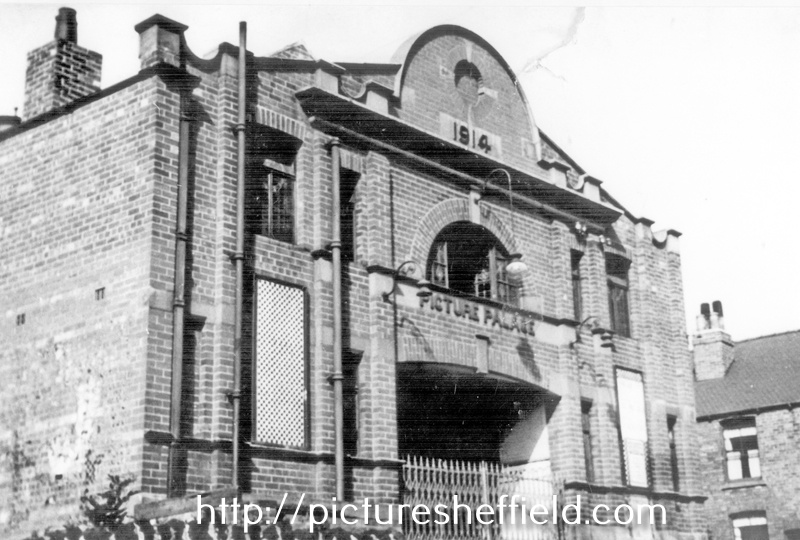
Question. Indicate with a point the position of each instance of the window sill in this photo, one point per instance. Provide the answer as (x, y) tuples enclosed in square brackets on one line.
[(478, 299), (619, 336), (603, 489), (495, 304), (743, 483), (271, 239)]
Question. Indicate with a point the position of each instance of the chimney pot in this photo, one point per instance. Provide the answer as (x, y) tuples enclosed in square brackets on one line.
[(717, 307), (705, 310), (67, 25), (701, 322), (714, 321)]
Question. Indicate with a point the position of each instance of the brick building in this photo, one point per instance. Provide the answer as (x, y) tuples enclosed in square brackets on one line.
[(747, 409), (364, 278)]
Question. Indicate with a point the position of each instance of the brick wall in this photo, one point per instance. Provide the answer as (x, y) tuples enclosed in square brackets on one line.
[(76, 236), (776, 493)]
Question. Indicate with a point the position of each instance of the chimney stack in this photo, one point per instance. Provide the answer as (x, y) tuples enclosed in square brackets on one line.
[(61, 71), (713, 347), (160, 41), (67, 25)]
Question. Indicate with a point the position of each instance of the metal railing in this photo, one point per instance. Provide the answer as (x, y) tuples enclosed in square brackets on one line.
[(431, 482)]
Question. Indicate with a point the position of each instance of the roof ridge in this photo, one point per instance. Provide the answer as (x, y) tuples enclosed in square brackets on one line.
[(768, 336)]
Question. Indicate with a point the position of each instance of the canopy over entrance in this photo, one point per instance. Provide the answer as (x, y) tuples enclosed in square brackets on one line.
[(449, 412)]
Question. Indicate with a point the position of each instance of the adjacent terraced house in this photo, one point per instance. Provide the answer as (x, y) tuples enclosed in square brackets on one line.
[(747, 408), (255, 275)]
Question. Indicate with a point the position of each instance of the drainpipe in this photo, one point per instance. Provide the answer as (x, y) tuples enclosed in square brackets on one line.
[(337, 377), (178, 298), (238, 256)]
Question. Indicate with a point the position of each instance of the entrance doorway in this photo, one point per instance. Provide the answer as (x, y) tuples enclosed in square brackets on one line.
[(449, 412), (474, 436)]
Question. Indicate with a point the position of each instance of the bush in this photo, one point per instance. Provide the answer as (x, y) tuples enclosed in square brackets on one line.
[(107, 509)]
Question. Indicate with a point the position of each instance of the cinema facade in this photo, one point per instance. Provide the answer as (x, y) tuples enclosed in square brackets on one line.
[(259, 275)]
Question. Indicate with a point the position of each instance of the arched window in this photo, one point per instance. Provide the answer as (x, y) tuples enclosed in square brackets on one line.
[(468, 259)]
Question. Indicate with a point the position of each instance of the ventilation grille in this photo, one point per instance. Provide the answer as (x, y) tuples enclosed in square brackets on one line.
[(280, 365)]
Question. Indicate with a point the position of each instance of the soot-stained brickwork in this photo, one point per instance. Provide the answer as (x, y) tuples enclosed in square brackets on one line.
[(451, 360)]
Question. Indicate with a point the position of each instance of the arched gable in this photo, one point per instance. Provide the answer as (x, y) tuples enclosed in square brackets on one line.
[(456, 85)]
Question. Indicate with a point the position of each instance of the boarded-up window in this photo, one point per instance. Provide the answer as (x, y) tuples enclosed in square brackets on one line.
[(632, 427), (280, 364)]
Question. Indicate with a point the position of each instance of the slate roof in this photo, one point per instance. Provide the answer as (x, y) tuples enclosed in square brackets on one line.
[(764, 375)]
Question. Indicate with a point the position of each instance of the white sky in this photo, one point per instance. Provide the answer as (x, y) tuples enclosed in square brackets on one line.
[(690, 116)]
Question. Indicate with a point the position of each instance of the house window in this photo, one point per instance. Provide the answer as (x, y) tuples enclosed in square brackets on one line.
[(617, 275), (577, 291), (467, 259), (280, 365), (741, 449), (632, 427), (271, 205), (792, 534), (673, 452), (751, 527), (438, 270), (348, 180), (350, 364), (586, 427)]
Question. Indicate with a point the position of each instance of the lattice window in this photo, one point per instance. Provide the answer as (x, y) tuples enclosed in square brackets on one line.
[(280, 364)]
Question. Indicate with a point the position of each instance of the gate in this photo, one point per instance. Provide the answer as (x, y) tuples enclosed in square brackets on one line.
[(431, 482)]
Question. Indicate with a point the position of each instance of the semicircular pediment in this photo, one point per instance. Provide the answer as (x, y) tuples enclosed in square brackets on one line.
[(454, 84)]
